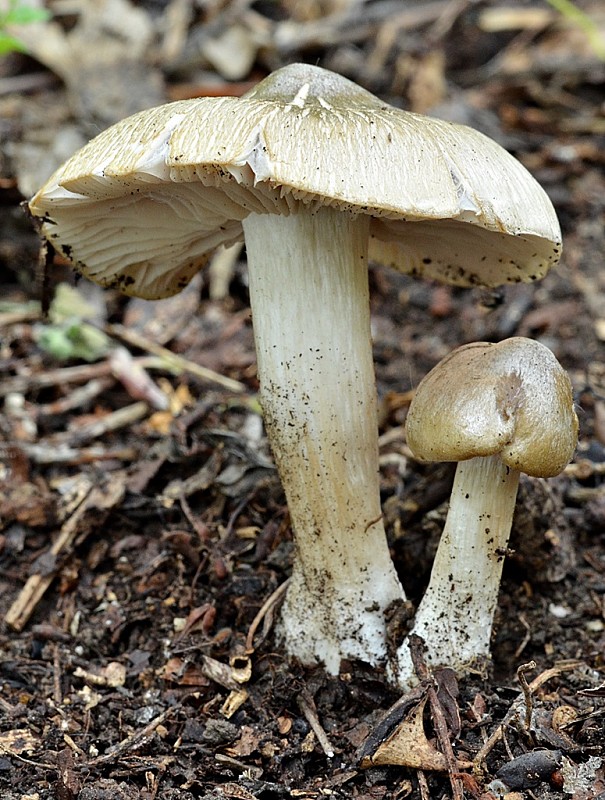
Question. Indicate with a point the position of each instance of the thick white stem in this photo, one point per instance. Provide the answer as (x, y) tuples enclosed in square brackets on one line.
[(456, 613), (310, 312)]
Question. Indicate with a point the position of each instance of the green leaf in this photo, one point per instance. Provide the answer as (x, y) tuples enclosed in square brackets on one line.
[(25, 15), (10, 44), (75, 340)]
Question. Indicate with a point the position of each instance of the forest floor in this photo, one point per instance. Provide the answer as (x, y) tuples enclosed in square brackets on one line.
[(142, 523)]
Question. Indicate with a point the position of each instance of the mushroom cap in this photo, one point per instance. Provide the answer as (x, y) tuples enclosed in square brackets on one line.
[(142, 205), (511, 399)]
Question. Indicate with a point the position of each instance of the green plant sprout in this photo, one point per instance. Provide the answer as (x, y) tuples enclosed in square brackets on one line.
[(18, 14), (582, 20), (68, 335)]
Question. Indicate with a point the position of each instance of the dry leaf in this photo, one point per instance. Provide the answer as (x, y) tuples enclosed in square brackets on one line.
[(180, 672), (407, 745), (18, 741)]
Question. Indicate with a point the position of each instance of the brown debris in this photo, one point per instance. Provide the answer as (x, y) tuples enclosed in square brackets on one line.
[(29, 503), (18, 741), (141, 520), (68, 784), (92, 501), (520, 711), (135, 741)]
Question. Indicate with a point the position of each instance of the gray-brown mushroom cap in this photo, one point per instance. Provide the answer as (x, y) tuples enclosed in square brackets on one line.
[(512, 398), (143, 205)]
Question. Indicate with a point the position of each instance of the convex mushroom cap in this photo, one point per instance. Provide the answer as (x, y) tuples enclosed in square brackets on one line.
[(144, 203), (511, 399)]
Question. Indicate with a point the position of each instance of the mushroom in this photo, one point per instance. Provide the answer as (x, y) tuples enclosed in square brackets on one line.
[(498, 410), (312, 171)]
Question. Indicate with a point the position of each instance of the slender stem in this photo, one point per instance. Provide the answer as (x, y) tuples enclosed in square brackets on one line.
[(456, 614), (310, 307)]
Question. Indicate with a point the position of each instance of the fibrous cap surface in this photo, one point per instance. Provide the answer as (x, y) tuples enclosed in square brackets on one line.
[(144, 203), (512, 398)]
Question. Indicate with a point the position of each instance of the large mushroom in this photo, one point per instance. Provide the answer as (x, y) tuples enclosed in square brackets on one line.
[(311, 170), (498, 410)]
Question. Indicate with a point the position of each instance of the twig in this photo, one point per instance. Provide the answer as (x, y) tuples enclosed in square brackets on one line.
[(36, 585), (76, 748), (105, 424), (446, 20), (86, 372), (198, 526), (423, 785), (265, 613), (137, 381), (75, 398), (509, 752), (347, 26), (32, 82), (7, 708), (248, 770), (132, 742), (61, 448), (9, 752), (584, 469), (57, 695), (219, 672), (28, 312), (172, 359), (52, 453), (513, 711), (441, 729), (221, 268), (308, 708), (527, 693), (54, 377), (526, 639), (445, 743)]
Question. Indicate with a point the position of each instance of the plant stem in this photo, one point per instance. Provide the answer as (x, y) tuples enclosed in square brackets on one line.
[(456, 613), (310, 307)]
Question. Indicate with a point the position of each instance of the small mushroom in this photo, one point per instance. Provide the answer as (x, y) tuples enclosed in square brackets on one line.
[(498, 410), (315, 173)]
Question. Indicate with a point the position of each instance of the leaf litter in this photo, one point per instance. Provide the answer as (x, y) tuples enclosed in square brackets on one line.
[(144, 537)]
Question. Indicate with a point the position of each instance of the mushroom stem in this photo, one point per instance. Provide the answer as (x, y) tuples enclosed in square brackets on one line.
[(456, 612), (310, 306)]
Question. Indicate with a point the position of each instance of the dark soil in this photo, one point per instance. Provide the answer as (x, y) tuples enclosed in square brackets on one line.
[(132, 664)]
